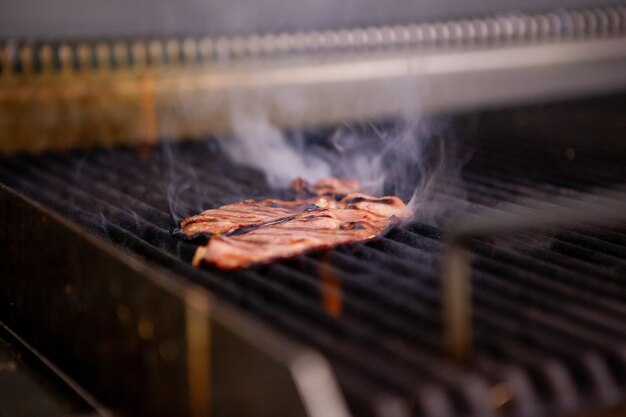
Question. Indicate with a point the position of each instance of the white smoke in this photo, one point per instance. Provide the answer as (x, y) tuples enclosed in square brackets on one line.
[(415, 159), (410, 156), (256, 142)]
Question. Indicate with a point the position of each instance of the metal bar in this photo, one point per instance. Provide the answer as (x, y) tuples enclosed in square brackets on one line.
[(28, 368), (197, 319), (456, 301), (504, 29), (431, 67), (456, 269), (381, 298), (123, 108), (148, 343)]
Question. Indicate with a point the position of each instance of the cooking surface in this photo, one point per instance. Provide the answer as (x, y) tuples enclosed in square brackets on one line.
[(548, 310)]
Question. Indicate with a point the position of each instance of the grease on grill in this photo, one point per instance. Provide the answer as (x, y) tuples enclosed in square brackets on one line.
[(331, 292)]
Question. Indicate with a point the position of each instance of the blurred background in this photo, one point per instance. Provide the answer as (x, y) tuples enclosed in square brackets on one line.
[(92, 19)]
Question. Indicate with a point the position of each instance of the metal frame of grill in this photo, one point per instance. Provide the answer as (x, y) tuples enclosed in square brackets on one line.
[(292, 284), (153, 341), (604, 209), (62, 95), (147, 344)]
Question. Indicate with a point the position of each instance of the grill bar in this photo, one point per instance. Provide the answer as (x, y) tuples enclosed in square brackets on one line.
[(539, 328)]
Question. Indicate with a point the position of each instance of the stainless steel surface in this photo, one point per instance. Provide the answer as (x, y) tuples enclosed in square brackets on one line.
[(601, 209), (182, 88), (75, 18)]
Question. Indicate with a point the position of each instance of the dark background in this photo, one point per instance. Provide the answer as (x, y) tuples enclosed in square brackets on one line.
[(120, 18)]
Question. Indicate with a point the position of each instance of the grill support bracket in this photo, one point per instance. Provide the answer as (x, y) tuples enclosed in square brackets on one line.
[(147, 343), (456, 268)]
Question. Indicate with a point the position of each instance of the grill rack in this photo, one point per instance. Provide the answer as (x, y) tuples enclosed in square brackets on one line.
[(56, 94), (557, 349), (510, 28)]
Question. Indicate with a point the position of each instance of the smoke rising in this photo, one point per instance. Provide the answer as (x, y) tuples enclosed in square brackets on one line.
[(259, 144), (409, 157)]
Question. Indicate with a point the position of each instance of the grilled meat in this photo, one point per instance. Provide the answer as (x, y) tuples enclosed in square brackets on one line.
[(384, 206), (326, 186), (253, 232), (250, 213), (354, 218), (247, 213)]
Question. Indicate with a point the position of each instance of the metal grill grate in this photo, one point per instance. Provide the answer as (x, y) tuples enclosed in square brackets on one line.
[(550, 333)]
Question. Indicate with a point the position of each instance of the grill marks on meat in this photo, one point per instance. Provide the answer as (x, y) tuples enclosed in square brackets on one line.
[(384, 206), (354, 218), (233, 217), (250, 213), (318, 229)]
